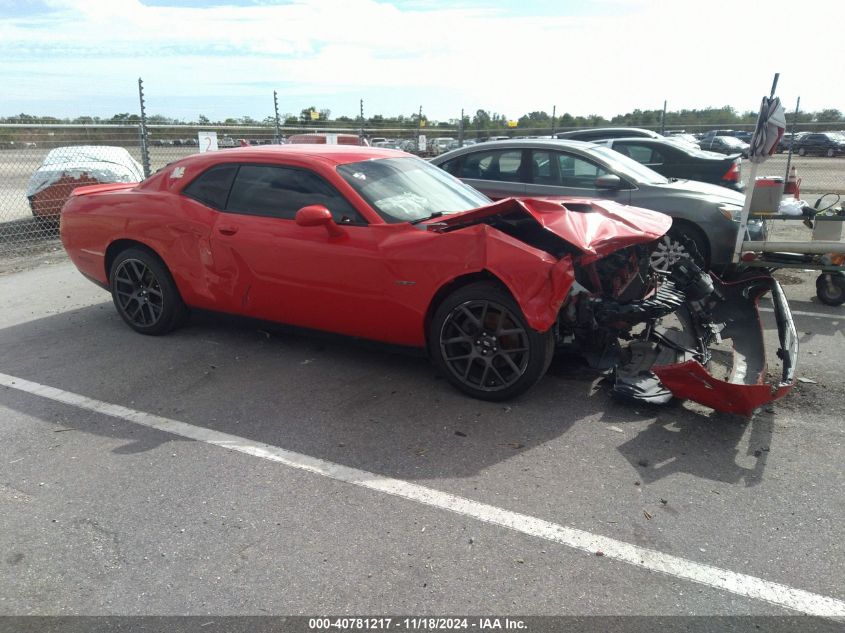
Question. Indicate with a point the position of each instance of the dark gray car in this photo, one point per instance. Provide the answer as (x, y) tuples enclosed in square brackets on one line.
[(705, 214)]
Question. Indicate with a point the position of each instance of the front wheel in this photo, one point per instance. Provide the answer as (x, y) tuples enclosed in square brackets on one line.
[(680, 243), (830, 289), (480, 340), (802, 152), (830, 153), (144, 293)]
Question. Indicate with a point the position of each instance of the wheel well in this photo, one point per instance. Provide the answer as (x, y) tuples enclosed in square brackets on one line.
[(458, 282), (118, 246), (695, 232)]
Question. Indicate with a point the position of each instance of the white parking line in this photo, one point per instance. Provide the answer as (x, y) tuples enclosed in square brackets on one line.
[(736, 583), (817, 315)]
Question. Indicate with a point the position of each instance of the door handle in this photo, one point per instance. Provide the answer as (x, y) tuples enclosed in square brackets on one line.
[(227, 230)]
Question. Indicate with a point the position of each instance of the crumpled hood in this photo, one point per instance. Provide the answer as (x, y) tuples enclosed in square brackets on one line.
[(595, 227)]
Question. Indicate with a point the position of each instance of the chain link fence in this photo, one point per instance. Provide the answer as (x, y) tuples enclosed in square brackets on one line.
[(41, 164)]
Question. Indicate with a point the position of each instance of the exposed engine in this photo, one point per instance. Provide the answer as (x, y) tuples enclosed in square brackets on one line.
[(687, 333)]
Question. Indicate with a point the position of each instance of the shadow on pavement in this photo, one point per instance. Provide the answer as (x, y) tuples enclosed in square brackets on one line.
[(365, 405)]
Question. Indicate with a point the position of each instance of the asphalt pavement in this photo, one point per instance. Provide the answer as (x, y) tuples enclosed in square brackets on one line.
[(308, 474)]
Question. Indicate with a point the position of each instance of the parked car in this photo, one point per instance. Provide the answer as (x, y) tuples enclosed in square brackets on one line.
[(705, 215), (683, 137), (787, 140), (824, 143), (65, 168), (729, 145), (604, 133), (378, 244), (439, 145), (679, 160)]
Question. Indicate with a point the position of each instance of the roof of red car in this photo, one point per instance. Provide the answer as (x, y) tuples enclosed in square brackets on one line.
[(338, 154)]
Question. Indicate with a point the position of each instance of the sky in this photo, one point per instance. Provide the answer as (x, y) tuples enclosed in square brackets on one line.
[(224, 58)]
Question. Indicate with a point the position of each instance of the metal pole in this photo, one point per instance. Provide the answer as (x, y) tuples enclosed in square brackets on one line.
[(554, 116), (792, 141), (278, 123), (419, 128), (145, 150), (749, 190), (663, 119), (461, 130), (361, 129)]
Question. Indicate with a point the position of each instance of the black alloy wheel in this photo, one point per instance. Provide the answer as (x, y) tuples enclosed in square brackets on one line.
[(481, 341), (144, 292)]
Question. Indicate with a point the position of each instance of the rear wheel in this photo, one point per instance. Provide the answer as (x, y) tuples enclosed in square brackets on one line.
[(144, 293), (802, 151), (830, 288), (830, 153), (480, 340)]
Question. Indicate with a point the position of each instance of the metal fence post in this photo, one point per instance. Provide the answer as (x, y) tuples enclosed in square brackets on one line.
[(278, 124), (142, 129)]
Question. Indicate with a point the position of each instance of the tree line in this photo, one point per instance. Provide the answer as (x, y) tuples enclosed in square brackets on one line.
[(481, 121)]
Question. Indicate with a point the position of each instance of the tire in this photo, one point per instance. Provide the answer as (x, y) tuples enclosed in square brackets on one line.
[(830, 288), (831, 153), (144, 292), (802, 151), (682, 241), (482, 343)]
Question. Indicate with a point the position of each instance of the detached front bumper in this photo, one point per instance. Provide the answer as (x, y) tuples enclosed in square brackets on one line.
[(715, 353)]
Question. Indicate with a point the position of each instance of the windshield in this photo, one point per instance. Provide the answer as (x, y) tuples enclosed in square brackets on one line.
[(408, 189), (627, 167)]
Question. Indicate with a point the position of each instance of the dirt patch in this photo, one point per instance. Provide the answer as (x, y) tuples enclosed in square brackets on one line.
[(786, 279), (44, 254)]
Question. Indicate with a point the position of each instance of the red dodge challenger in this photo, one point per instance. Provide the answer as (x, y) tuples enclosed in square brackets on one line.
[(379, 244)]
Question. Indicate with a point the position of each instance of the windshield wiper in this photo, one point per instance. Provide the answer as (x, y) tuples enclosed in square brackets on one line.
[(436, 214)]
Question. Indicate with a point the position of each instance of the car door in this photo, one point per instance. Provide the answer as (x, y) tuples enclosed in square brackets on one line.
[(274, 269), (560, 173), (497, 173)]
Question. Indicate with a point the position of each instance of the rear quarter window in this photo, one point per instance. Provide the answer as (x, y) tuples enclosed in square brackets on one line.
[(212, 186)]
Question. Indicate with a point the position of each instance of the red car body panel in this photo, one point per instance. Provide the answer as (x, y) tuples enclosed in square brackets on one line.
[(691, 381), (375, 281), (582, 222)]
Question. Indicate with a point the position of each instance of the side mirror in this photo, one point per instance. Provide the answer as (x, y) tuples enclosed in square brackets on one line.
[(318, 215), (608, 181)]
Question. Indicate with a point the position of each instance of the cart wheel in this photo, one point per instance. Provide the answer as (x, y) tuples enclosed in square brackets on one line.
[(830, 288)]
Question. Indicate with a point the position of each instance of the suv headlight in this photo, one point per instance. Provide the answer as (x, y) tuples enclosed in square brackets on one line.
[(731, 212)]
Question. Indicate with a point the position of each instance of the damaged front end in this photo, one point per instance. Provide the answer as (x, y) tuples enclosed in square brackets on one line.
[(692, 336), (682, 333)]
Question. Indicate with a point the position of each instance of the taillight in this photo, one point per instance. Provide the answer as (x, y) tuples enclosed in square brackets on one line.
[(732, 175)]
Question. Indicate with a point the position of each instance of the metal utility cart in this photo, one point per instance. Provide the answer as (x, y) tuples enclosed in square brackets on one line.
[(825, 252)]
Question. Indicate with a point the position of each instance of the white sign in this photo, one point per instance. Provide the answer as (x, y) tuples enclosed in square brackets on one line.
[(421, 143), (331, 139), (208, 141)]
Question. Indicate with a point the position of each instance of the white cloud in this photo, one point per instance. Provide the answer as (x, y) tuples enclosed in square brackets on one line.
[(693, 54)]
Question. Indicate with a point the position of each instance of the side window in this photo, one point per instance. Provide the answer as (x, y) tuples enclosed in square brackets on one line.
[(542, 172), (279, 192), (212, 186), (641, 153), (503, 165), (453, 166), (578, 172)]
